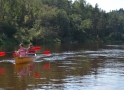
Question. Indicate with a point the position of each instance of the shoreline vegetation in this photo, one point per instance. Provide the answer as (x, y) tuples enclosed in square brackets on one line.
[(58, 21)]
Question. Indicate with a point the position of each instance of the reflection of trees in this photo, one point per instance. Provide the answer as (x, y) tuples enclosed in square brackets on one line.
[(46, 73), (79, 67), (95, 65)]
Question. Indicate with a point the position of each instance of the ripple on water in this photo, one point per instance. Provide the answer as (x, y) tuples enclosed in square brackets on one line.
[(107, 53), (8, 61)]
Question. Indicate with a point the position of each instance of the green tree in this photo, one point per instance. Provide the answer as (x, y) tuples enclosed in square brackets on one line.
[(95, 19)]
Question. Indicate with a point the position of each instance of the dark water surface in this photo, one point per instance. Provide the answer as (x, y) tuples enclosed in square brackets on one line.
[(68, 67)]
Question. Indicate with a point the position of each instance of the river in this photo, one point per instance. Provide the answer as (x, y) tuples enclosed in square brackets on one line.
[(68, 67)]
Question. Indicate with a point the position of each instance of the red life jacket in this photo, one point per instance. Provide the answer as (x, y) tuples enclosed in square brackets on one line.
[(31, 50)]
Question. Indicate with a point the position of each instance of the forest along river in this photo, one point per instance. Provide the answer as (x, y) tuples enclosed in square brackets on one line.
[(68, 67)]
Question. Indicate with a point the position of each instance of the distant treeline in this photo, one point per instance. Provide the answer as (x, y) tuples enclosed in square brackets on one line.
[(63, 21)]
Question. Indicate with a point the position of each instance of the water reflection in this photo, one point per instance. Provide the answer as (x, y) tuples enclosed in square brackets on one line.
[(46, 66), (24, 70), (2, 72), (78, 67)]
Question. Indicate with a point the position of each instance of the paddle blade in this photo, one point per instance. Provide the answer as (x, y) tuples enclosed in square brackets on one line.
[(37, 48), (2, 53), (14, 55), (46, 52)]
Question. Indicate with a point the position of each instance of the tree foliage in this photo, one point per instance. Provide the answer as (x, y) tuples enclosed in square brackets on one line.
[(42, 21)]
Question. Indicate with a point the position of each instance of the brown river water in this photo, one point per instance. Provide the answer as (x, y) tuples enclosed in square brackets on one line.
[(68, 67)]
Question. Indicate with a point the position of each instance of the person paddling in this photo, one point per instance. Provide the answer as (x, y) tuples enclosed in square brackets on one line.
[(21, 51), (31, 51)]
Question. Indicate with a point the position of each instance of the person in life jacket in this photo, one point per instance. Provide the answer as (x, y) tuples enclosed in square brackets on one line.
[(31, 51), (21, 51)]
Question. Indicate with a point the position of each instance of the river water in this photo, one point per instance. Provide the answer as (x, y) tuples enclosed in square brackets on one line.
[(68, 67)]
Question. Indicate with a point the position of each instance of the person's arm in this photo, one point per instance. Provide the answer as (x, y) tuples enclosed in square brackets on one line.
[(26, 50), (17, 52)]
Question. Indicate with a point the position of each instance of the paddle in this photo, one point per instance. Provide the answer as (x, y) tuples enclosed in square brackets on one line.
[(14, 54), (2, 53), (37, 48), (45, 53)]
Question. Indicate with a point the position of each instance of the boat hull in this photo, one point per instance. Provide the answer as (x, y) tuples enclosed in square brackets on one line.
[(19, 60)]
